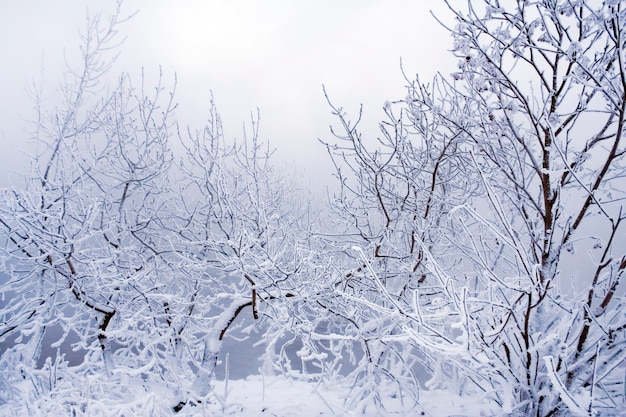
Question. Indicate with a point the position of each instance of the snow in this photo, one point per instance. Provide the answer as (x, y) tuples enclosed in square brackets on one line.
[(254, 396), (277, 396), (287, 397)]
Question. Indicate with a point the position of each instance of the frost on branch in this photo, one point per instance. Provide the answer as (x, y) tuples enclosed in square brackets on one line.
[(475, 246), (489, 210), (134, 247)]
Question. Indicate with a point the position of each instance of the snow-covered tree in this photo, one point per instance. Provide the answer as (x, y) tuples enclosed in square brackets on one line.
[(487, 219), (134, 246), (476, 245)]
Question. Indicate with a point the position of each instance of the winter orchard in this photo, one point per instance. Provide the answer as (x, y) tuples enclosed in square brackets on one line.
[(475, 246)]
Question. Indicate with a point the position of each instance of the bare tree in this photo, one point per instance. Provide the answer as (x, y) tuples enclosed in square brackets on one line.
[(137, 252), (490, 212), (453, 254)]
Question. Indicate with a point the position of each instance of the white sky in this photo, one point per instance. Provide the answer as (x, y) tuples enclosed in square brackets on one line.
[(270, 54)]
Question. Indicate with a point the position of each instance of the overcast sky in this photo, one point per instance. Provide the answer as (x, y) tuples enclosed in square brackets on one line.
[(266, 54)]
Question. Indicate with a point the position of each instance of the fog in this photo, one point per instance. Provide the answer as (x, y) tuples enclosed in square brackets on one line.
[(273, 56)]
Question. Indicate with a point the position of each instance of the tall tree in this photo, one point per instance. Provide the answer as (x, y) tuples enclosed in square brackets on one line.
[(490, 209), (134, 246)]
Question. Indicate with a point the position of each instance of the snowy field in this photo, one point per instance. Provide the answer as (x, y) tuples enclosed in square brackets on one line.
[(282, 397)]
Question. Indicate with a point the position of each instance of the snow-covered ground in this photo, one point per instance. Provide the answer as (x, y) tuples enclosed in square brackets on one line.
[(282, 397), (254, 396)]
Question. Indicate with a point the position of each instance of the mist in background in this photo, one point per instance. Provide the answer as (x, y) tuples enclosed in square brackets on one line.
[(271, 55)]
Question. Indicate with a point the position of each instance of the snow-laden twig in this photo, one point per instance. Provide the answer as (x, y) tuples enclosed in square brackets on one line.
[(376, 278), (558, 385)]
